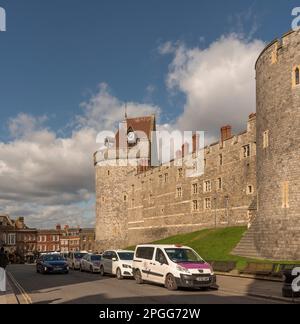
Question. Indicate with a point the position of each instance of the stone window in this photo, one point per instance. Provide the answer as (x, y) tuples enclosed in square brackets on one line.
[(296, 76), (207, 186), (246, 151), (221, 159), (108, 172), (180, 173), (266, 139), (195, 205), (160, 180), (219, 184), (125, 198), (285, 195), (250, 190), (179, 192), (207, 203), (195, 188), (166, 177)]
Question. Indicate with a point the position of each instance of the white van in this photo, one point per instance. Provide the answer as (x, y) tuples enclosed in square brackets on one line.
[(173, 266)]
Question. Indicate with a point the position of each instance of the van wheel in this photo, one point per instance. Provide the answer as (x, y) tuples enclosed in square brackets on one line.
[(119, 274), (102, 271), (138, 277), (170, 282)]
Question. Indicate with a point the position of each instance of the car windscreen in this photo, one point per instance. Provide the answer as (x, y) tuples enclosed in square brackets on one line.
[(126, 256), (96, 258), (53, 258), (79, 255), (179, 255)]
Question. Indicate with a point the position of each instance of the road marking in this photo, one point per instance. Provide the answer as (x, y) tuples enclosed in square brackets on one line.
[(22, 291)]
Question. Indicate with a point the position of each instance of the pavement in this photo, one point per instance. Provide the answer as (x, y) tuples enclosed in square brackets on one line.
[(9, 296), (86, 288)]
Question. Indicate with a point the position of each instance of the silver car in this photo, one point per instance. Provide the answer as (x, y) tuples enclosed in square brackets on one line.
[(90, 263)]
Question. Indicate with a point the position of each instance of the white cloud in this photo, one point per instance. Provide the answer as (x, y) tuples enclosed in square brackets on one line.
[(50, 179), (218, 82), (44, 176), (103, 111)]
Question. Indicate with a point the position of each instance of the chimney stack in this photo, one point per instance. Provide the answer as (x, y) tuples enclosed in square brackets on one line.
[(185, 149), (196, 143), (58, 227), (178, 155), (226, 133)]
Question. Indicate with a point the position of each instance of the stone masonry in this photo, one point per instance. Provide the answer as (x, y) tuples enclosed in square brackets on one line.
[(250, 178), (138, 207)]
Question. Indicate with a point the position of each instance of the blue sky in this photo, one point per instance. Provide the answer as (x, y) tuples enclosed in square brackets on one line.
[(67, 67), (55, 52)]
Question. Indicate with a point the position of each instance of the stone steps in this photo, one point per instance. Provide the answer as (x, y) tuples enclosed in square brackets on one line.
[(246, 247)]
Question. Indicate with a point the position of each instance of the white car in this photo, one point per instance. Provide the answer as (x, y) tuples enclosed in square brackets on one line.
[(74, 259), (90, 263), (118, 263), (173, 266)]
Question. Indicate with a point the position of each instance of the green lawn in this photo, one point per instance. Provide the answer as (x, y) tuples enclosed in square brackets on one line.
[(214, 244)]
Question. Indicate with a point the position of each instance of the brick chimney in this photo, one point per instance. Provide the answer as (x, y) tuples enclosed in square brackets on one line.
[(226, 133), (185, 149), (58, 227), (20, 223), (196, 143), (178, 155)]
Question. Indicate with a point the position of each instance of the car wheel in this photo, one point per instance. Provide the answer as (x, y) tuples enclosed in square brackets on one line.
[(67, 272), (37, 270), (91, 269), (119, 274), (73, 266), (138, 277), (81, 270), (171, 282), (102, 271)]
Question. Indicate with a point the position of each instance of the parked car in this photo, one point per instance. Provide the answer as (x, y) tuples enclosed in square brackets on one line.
[(173, 266), (52, 263), (90, 263), (118, 263), (74, 259)]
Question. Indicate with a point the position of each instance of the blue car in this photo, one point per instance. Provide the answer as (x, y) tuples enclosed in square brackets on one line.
[(52, 263)]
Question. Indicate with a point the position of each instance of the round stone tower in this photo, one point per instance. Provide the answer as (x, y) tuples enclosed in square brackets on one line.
[(278, 149)]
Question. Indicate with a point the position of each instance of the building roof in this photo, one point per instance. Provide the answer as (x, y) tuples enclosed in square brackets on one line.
[(144, 124)]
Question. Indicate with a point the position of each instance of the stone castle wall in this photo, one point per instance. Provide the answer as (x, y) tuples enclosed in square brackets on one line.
[(278, 166), (135, 208)]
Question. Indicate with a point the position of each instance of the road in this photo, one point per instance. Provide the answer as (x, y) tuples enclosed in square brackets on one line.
[(86, 288)]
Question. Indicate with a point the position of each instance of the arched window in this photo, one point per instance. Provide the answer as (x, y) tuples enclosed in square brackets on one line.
[(297, 76)]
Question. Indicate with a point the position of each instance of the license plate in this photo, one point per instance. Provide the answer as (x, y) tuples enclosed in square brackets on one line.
[(58, 269), (203, 279)]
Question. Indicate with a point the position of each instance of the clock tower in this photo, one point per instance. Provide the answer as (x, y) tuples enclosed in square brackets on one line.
[(132, 150)]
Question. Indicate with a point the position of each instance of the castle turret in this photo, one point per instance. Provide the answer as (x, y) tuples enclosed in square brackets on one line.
[(126, 153), (278, 149)]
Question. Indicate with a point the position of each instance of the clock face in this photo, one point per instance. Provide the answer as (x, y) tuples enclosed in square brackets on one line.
[(131, 137)]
